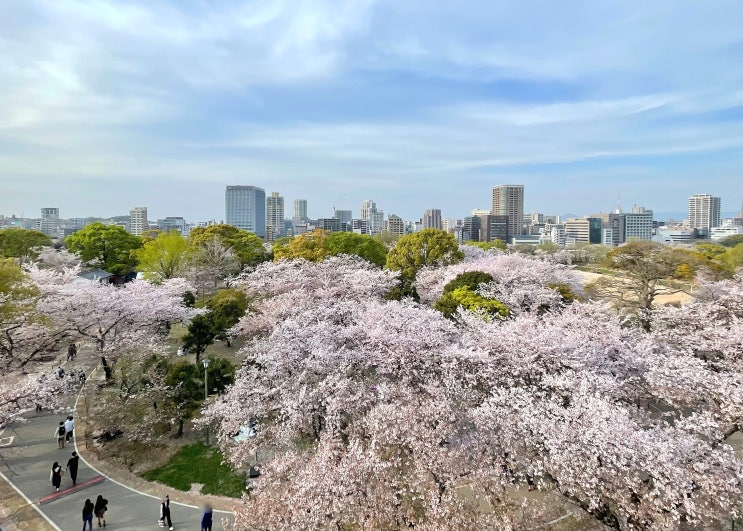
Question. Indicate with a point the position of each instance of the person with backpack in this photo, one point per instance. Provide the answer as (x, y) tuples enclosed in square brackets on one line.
[(101, 506), (60, 433)]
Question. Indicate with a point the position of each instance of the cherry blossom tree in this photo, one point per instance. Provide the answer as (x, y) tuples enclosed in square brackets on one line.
[(375, 414)]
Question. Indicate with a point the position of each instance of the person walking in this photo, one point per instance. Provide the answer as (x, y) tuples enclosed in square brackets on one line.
[(71, 352), (88, 514), (101, 506), (69, 425), (206, 518), (72, 464), (56, 475), (60, 433), (165, 512)]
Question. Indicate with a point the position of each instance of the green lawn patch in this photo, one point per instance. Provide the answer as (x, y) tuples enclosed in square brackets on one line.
[(198, 463)]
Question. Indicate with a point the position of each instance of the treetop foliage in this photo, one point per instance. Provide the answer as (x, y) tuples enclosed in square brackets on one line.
[(22, 243), (429, 247), (108, 247)]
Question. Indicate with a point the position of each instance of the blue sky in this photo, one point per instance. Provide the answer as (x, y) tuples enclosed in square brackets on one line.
[(107, 105)]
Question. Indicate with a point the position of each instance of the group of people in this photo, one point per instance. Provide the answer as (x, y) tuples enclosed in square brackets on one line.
[(64, 431), (57, 472), (97, 509)]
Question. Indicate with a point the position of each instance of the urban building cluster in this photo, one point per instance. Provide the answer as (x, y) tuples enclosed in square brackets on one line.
[(249, 208)]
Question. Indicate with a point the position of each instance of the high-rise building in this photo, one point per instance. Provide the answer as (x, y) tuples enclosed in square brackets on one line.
[(344, 217), (176, 223), (508, 200), (300, 209), (471, 229), (138, 220), (493, 228), (374, 217), (638, 224), (395, 225), (49, 223), (275, 216), (704, 212), (245, 208), (432, 219)]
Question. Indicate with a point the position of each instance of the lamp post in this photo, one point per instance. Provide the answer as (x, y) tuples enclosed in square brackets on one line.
[(205, 362)]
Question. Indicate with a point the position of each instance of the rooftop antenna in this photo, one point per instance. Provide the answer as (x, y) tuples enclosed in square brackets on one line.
[(619, 206)]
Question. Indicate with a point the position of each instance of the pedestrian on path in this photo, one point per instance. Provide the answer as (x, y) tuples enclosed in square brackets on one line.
[(165, 512), (206, 518), (101, 506), (56, 475), (69, 425), (71, 352), (88, 514), (72, 464), (60, 433)]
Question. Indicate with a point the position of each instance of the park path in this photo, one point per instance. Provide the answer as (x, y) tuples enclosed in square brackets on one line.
[(26, 457)]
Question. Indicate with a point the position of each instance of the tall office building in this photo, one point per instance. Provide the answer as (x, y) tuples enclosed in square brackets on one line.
[(138, 220), (245, 208), (274, 216), (300, 209), (704, 212), (638, 224), (345, 217), (471, 229), (508, 200), (49, 223), (432, 219), (374, 217), (395, 225), (493, 228)]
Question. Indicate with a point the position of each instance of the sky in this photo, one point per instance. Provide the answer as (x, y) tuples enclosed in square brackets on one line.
[(415, 104)]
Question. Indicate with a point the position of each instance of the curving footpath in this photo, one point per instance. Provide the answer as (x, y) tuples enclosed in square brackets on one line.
[(28, 451)]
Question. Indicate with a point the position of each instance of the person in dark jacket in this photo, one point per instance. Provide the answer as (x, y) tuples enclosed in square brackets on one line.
[(101, 506), (206, 519), (72, 463), (88, 514), (56, 475), (165, 512)]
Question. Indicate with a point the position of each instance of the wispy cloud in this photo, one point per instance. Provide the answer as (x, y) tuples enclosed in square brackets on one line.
[(281, 93)]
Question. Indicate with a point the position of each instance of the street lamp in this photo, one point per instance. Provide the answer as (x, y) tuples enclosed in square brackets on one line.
[(205, 362)]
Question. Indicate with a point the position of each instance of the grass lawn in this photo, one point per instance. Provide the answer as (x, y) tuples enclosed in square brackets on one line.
[(198, 463)]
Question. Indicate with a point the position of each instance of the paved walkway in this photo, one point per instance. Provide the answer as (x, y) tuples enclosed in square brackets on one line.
[(26, 457)]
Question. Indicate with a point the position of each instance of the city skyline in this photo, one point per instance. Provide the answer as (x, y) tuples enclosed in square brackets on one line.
[(418, 106)]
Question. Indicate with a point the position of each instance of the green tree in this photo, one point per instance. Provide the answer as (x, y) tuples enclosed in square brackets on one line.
[(21, 243), (164, 257), (711, 250), (429, 247), (186, 381), (108, 247), (461, 291), (311, 246), (359, 244), (387, 238), (647, 270), (732, 240), (246, 246), (201, 333), (221, 373), (495, 244), (227, 307), (468, 299), (733, 257)]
